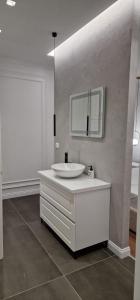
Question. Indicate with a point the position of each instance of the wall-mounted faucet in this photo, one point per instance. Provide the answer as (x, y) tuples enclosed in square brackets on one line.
[(66, 157)]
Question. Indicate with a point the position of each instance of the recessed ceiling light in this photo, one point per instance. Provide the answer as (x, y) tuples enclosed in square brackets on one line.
[(11, 3)]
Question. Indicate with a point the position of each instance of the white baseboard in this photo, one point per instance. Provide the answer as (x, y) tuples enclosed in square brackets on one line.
[(20, 188), (121, 253)]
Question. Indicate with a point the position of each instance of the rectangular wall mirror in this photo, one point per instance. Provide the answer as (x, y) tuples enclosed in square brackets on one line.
[(87, 113)]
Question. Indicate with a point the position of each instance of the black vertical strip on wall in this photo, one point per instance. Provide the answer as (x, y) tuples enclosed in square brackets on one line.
[(89, 101), (87, 124), (54, 124)]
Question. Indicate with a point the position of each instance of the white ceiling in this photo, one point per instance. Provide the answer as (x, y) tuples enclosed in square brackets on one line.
[(29, 24)]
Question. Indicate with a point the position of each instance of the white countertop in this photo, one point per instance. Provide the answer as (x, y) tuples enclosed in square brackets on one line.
[(75, 185)]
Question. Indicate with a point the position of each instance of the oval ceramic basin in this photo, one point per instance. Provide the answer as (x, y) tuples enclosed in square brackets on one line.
[(68, 170)]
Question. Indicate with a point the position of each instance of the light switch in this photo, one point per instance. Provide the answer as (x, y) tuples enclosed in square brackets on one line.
[(57, 145)]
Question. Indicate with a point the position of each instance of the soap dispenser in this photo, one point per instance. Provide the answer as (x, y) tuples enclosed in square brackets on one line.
[(91, 172)]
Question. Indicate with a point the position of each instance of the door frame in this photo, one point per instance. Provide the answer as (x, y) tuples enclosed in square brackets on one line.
[(137, 264), (1, 204)]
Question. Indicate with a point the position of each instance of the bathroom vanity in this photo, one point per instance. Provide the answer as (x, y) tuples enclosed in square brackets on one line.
[(76, 209)]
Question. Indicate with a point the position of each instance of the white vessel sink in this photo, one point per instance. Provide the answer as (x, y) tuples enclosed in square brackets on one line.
[(68, 170)]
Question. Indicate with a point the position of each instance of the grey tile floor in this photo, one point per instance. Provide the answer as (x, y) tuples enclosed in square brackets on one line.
[(37, 266)]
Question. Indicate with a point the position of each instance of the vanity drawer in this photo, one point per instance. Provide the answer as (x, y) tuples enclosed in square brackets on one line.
[(58, 222), (61, 200)]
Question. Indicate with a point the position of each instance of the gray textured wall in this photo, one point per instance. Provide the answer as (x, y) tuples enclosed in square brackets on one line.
[(99, 56)]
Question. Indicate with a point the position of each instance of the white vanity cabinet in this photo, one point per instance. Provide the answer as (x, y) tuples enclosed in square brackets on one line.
[(76, 209)]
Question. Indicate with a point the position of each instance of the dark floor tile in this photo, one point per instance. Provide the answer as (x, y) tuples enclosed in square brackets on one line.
[(105, 280), (59, 289), (10, 218), (60, 254), (28, 207), (25, 263), (128, 263), (109, 252)]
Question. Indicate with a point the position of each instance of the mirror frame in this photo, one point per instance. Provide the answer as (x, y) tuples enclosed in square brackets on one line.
[(87, 133)]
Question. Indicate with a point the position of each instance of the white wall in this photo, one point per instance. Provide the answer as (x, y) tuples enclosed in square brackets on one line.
[(26, 105)]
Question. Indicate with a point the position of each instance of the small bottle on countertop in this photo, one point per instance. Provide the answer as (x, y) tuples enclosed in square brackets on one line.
[(91, 172)]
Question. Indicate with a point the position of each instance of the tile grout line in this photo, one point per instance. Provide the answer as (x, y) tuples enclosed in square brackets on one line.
[(33, 288), (96, 263), (59, 268), (72, 287), (108, 253), (89, 265), (39, 241), (29, 227), (122, 264), (78, 269), (63, 276), (125, 268)]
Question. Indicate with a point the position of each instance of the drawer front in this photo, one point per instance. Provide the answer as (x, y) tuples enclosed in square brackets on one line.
[(62, 201), (58, 222)]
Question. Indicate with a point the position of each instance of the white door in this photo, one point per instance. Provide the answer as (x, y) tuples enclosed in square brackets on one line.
[(1, 210), (22, 128)]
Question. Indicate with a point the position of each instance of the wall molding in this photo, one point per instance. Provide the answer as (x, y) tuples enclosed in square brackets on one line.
[(18, 69), (30, 77), (20, 188), (120, 252)]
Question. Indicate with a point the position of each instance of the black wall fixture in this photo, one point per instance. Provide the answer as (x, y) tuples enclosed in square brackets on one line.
[(54, 124), (54, 35), (87, 124), (89, 98)]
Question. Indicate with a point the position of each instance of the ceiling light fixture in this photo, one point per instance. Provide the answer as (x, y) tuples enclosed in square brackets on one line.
[(11, 3)]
